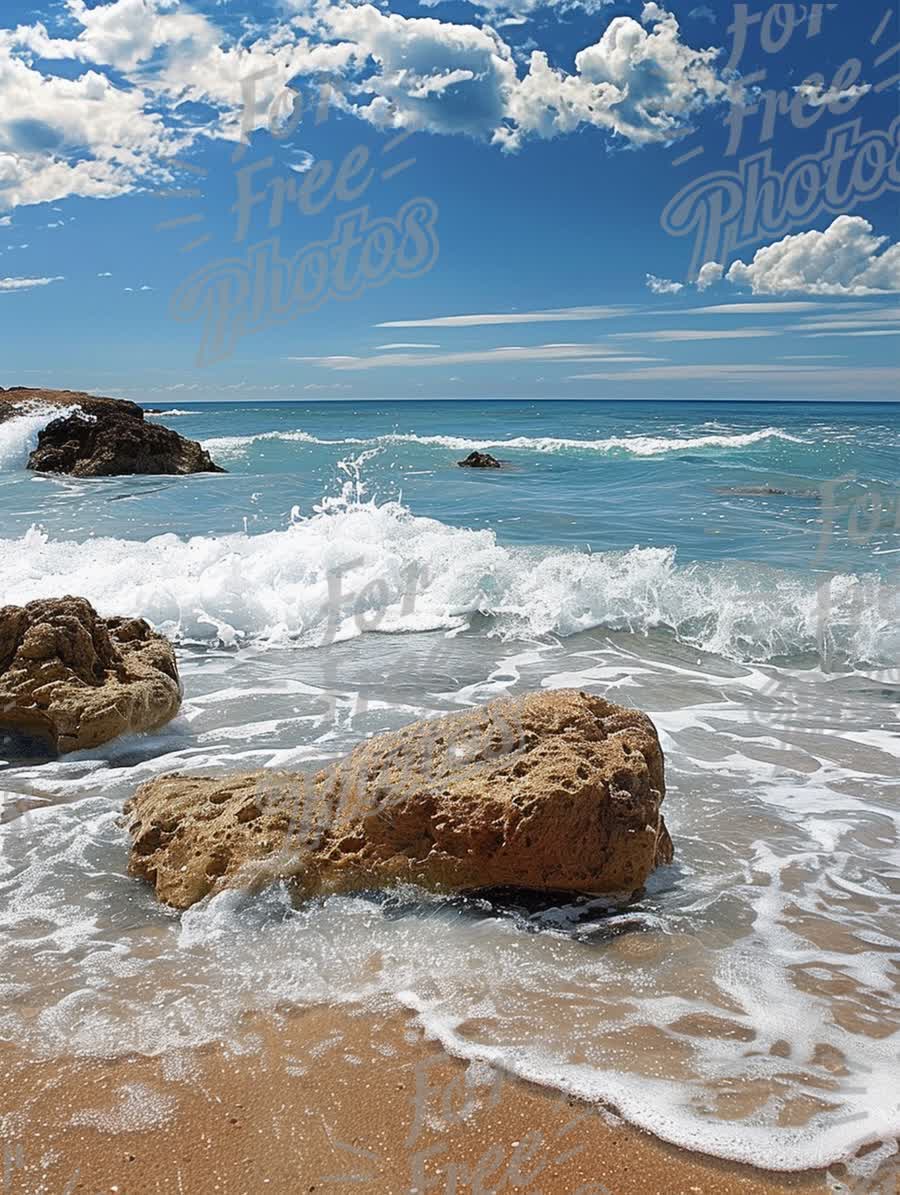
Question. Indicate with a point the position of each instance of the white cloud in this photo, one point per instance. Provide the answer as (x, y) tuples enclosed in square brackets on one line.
[(427, 73), (814, 95), (5, 221), (105, 274), (709, 275), (879, 378), (553, 315), (867, 332), (639, 81), (762, 308), (404, 345), (108, 129), (663, 286), (12, 284), (501, 355), (844, 323), (676, 334), (73, 136), (844, 259)]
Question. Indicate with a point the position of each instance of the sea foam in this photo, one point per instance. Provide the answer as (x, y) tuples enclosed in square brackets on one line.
[(623, 446), (19, 435), (354, 566)]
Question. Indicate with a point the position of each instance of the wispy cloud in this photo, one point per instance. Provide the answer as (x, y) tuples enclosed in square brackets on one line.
[(879, 377), (673, 334), (496, 356), (554, 315), (386, 348), (867, 332), (843, 323), (12, 284), (762, 307)]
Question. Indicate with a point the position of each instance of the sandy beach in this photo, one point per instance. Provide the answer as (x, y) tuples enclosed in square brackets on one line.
[(336, 1100)]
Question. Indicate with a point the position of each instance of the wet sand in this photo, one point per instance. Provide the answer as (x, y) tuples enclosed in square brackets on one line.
[(331, 1100)]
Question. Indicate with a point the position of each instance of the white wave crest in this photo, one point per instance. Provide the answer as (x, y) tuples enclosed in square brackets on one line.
[(19, 435), (354, 566), (629, 446), (173, 414)]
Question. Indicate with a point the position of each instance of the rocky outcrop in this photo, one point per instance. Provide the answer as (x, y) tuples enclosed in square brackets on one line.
[(554, 791), (103, 437), (75, 680), (479, 460)]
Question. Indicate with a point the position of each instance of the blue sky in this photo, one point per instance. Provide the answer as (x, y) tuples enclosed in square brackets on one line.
[(506, 175)]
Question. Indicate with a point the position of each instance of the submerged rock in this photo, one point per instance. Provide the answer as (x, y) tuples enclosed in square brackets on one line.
[(556, 791), (479, 460), (76, 680), (103, 437)]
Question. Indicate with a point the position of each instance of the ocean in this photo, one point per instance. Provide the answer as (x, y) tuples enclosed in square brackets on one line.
[(729, 568)]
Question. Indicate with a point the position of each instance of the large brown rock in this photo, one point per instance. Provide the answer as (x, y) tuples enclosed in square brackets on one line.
[(75, 680), (552, 791), (103, 437)]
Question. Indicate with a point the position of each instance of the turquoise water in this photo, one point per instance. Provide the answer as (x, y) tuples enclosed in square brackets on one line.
[(345, 577)]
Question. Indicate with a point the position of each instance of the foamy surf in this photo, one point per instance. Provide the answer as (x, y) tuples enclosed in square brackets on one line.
[(19, 435), (354, 567), (625, 446)]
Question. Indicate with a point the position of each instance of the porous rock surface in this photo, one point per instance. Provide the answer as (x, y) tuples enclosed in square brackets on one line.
[(553, 791), (76, 680)]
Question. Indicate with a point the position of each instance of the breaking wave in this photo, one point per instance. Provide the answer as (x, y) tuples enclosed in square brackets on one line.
[(623, 446), (18, 436), (354, 566)]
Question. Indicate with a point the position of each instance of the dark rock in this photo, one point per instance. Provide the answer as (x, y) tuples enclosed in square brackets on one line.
[(480, 460), (76, 680), (104, 437)]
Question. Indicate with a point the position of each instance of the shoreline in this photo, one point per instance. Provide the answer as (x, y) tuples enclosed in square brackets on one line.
[(338, 1099)]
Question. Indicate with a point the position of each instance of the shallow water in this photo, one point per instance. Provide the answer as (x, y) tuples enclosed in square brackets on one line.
[(747, 1005)]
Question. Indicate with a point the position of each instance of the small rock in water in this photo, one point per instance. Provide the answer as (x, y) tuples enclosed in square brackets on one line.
[(479, 460)]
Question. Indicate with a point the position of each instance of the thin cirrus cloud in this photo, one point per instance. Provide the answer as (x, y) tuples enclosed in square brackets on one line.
[(866, 332), (841, 323), (676, 334), (387, 348), (786, 375), (502, 355), (553, 315), (19, 284), (763, 307)]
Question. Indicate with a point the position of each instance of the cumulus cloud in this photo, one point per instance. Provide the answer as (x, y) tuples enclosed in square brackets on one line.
[(426, 73), (73, 136), (845, 259), (14, 284), (663, 286), (709, 275), (639, 81), (152, 77)]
